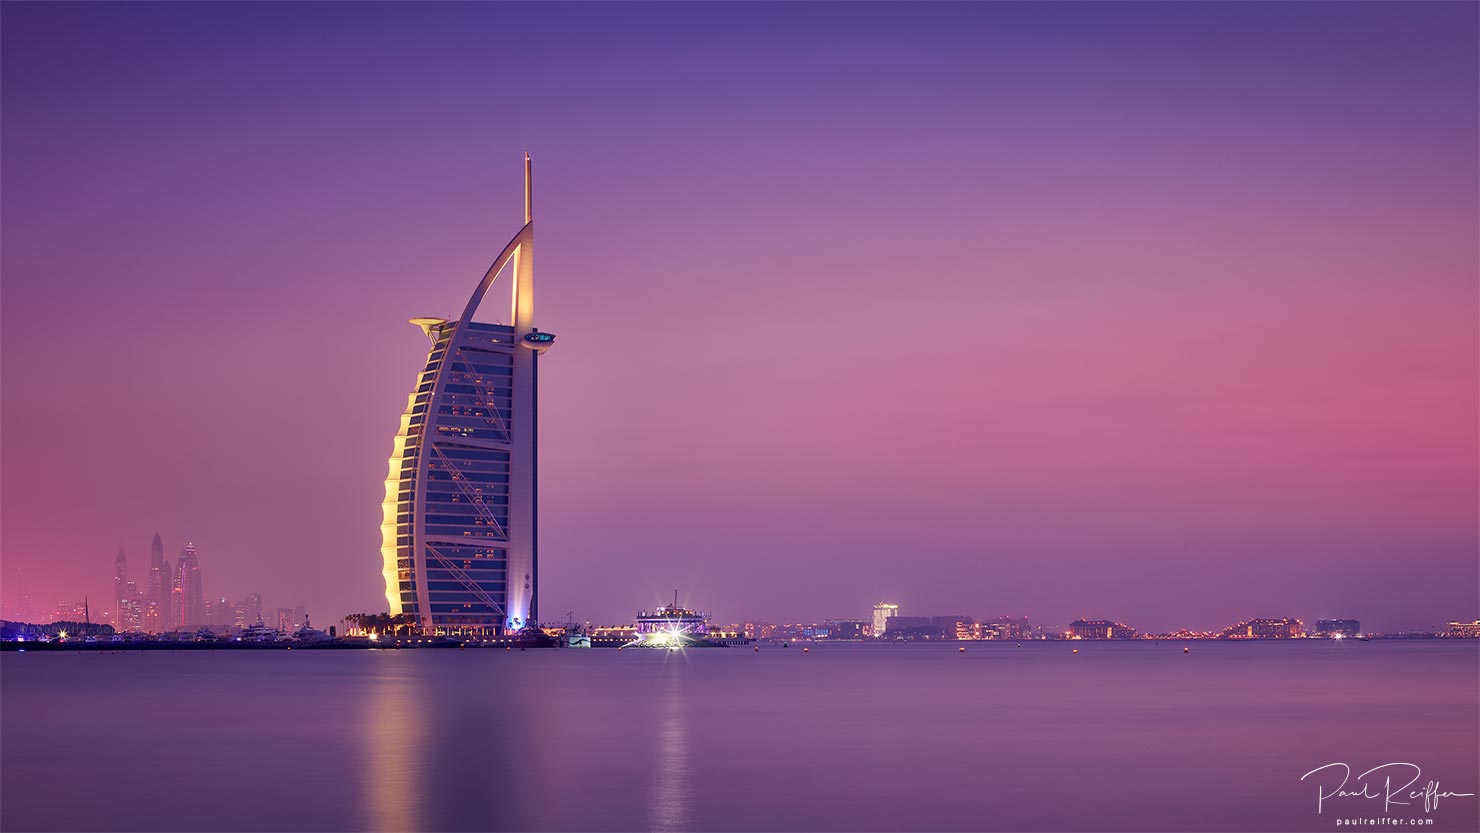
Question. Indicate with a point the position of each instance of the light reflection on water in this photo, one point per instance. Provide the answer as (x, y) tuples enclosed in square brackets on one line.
[(673, 776), (395, 750), (1122, 737)]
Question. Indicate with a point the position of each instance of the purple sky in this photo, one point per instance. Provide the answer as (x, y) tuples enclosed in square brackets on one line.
[(1163, 313)]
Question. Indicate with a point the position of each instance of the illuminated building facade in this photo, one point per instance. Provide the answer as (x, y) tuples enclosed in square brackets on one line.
[(1006, 627), (458, 537), (1338, 627), (1467, 630), (71, 612), (929, 628), (883, 611), (247, 612), (130, 617), (189, 599), (1283, 628), (120, 584), (623, 632), (1100, 629), (847, 628), (157, 601)]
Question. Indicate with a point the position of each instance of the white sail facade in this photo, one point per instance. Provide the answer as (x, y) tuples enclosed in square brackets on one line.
[(458, 537)]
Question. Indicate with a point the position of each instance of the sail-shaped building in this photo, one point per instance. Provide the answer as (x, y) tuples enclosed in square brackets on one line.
[(458, 538)]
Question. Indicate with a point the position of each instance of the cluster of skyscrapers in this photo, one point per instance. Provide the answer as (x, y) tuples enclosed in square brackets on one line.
[(173, 599)]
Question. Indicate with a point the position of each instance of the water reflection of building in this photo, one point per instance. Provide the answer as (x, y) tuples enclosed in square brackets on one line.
[(395, 750)]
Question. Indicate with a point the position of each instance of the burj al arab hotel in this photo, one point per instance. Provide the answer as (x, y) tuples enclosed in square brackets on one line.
[(458, 536)]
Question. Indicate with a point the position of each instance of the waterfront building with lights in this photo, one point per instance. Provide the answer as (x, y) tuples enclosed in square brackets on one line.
[(851, 629), (883, 612), (1342, 628), (930, 628), (458, 536), (1100, 629), (1468, 630), (1282, 628)]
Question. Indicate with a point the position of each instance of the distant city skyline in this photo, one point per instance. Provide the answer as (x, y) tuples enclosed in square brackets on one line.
[(171, 600), (873, 622), (1145, 312)]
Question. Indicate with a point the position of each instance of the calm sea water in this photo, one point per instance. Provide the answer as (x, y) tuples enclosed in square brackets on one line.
[(845, 737)]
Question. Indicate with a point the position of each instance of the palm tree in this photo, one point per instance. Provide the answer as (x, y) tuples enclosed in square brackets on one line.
[(381, 622)]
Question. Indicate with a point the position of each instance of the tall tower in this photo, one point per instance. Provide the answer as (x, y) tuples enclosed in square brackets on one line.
[(192, 597), (459, 545), (120, 587), (157, 597), (177, 597), (167, 615)]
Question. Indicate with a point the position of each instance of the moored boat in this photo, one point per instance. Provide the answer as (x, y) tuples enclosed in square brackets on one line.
[(673, 626)]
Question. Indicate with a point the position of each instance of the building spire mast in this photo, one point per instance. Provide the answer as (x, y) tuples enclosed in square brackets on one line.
[(521, 312), (528, 188)]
